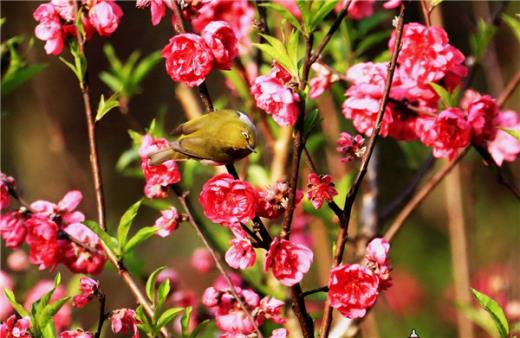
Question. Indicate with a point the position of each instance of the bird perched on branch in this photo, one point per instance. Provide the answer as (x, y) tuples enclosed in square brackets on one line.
[(220, 137)]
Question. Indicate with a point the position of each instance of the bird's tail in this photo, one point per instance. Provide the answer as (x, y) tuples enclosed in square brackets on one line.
[(164, 155)]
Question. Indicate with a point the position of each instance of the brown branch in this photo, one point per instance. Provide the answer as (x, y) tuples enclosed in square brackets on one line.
[(509, 89), (102, 314), (341, 239), (421, 195), (186, 204), (426, 12)]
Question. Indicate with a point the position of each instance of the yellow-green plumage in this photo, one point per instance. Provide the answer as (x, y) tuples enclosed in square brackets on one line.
[(222, 136)]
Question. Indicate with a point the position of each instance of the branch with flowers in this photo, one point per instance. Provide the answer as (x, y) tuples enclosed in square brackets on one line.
[(284, 241)]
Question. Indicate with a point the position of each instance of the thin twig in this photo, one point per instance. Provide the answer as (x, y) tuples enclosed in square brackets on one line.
[(102, 314), (509, 89), (426, 12), (420, 196), (351, 196), (186, 204), (313, 291)]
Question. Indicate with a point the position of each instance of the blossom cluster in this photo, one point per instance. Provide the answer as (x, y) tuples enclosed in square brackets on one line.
[(353, 288), (54, 233), (230, 317), (56, 21)]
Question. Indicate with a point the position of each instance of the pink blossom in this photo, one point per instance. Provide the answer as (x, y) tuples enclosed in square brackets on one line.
[(427, 55), (505, 147), (49, 28), (5, 283), (62, 213), (123, 321), (65, 9), (42, 240), (75, 334), (390, 4), (360, 9), (6, 183), (158, 177), (88, 289), (273, 201), (377, 260), (105, 17), (447, 134), (188, 59), (239, 14), (227, 201), (350, 147), (272, 308), (18, 261), (184, 298), (289, 261), (352, 289), (300, 229), (482, 117), (222, 41), (202, 261), (273, 97), (170, 274), (12, 228), (78, 258), (157, 8), (280, 333), (322, 81), (168, 222), (291, 6), (16, 328), (62, 319), (320, 188), (241, 254)]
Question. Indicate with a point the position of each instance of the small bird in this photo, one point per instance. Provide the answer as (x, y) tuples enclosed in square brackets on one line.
[(220, 137)]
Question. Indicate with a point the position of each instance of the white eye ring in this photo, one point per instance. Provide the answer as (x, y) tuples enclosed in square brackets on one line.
[(246, 135)]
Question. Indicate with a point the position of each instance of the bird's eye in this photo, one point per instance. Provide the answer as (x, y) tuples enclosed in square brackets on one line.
[(246, 135)]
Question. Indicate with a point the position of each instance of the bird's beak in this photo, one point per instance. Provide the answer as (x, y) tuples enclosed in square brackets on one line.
[(250, 147)]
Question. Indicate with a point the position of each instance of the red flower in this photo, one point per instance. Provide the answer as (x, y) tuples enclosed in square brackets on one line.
[(168, 222), (352, 289), (289, 261), (222, 41), (77, 258), (505, 147), (427, 56), (227, 201), (6, 183), (12, 228), (42, 240), (320, 188), (241, 254), (322, 81), (49, 28), (273, 97), (62, 319), (188, 59), (447, 134), (202, 260), (105, 17), (272, 308), (75, 334), (88, 288), (158, 177), (16, 328), (123, 320), (377, 260), (272, 201), (65, 9), (350, 147), (157, 8), (482, 117), (62, 213)]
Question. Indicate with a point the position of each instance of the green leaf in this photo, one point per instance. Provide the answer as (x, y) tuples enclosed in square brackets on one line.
[(480, 40), (126, 222), (444, 95), (167, 316), (106, 106), (145, 324), (150, 284), (136, 137), (16, 306), (109, 241), (140, 236), (512, 132), (162, 293), (50, 310), (480, 317), (126, 158), (113, 82), (283, 12), (185, 322), (201, 327), (435, 3), (495, 311), (72, 67), (19, 77), (114, 61), (513, 23), (276, 49), (324, 8), (146, 65), (311, 121)]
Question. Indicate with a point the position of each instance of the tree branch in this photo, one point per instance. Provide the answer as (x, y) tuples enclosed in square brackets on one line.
[(351, 196)]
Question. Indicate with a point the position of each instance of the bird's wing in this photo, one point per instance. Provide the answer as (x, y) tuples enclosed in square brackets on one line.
[(194, 125), (202, 148)]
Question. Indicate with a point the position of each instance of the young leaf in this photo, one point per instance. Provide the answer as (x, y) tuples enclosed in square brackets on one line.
[(150, 284), (16, 306), (126, 222), (106, 106), (324, 9), (145, 324), (480, 40), (185, 322), (512, 132), (443, 94), (162, 293), (167, 316), (311, 121), (141, 235), (50, 310), (72, 67), (201, 327), (110, 241), (283, 12), (494, 310), (513, 23), (19, 77)]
